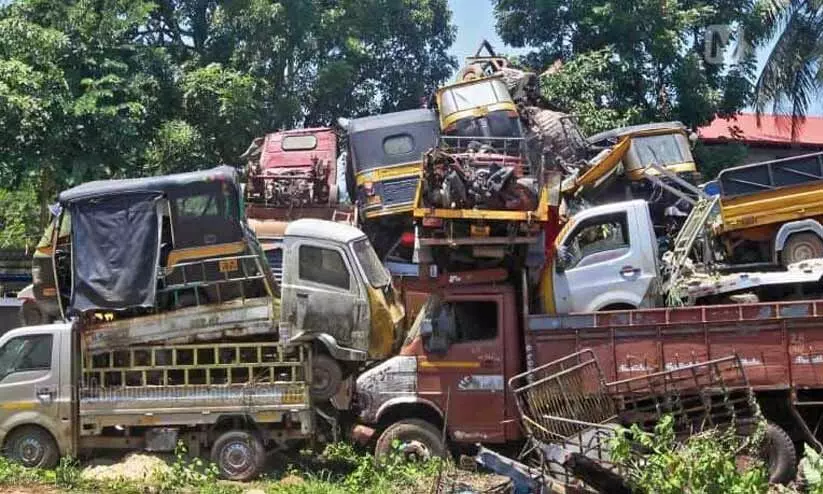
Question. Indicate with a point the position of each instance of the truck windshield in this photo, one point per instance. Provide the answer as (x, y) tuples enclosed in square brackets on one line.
[(367, 257)]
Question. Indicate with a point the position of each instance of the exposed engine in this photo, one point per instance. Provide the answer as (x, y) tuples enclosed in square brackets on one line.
[(293, 188), (457, 182)]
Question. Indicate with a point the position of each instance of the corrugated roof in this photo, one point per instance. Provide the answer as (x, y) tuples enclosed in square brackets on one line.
[(773, 129)]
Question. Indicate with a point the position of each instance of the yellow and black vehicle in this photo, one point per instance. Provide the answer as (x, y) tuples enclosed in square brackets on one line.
[(384, 159)]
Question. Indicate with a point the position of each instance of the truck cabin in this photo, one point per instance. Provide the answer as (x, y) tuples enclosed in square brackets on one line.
[(384, 159), (294, 168), (156, 244), (480, 113)]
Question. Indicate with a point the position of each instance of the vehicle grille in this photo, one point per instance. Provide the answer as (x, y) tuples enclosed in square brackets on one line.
[(275, 258)]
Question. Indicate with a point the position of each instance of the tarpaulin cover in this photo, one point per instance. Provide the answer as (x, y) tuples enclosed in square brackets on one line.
[(115, 249)]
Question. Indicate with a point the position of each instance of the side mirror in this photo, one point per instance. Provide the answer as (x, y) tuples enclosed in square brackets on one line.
[(433, 341)]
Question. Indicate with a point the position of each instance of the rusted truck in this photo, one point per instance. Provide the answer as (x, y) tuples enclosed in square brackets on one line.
[(472, 337), (293, 174), (172, 260), (230, 401)]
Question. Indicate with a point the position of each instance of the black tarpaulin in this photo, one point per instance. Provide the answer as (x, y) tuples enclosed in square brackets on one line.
[(115, 249)]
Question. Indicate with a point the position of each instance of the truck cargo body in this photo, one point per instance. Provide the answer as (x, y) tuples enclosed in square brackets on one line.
[(208, 396)]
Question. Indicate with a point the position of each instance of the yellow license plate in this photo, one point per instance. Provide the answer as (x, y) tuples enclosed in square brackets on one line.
[(374, 200), (228, 265), (480, 231)]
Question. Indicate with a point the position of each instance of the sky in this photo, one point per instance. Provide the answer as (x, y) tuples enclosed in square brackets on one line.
[(475, 21)]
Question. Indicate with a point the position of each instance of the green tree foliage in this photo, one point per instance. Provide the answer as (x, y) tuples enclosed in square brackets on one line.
[(93, 89), (791, 76), (656, 68)]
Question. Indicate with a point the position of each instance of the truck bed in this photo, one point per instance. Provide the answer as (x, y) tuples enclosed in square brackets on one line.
[(193, 384), (232, 319), (771, 192), (780, 344)]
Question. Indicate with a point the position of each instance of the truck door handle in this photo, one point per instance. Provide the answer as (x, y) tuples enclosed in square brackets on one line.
[(45, 395), (487, 362), (302, 295), (629, 270)]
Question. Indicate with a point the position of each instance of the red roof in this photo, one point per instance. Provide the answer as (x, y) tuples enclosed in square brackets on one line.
[(774, 129)]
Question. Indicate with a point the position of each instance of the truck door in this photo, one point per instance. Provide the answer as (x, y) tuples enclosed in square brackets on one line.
[(469, 375), (604, 263), (30, 390), (321, 293)]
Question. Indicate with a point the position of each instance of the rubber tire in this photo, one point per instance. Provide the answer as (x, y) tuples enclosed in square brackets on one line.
[(554, 128), (808, 241), (330, 369), (50, 455), (31, 315), (779, 454), (411, 429), (243, 439)]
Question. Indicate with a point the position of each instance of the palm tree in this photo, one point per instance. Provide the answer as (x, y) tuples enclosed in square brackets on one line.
[(792, 74)]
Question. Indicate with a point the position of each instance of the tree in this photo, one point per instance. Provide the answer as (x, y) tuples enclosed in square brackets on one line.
[(657, 67), (791, 75)]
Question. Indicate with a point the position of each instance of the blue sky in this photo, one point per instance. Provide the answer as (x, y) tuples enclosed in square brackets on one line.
[(475, 20)]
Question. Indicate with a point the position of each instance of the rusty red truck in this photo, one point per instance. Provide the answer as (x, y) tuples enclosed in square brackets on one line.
[(473, 335), (292, 174)]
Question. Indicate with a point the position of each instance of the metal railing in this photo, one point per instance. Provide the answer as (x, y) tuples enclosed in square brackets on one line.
[(212, 278)]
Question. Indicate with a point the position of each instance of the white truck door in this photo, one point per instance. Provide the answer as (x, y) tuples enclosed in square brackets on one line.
[(31, 394), (320, 292), (608, 259)]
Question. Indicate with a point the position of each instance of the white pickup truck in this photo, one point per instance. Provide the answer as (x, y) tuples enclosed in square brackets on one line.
[(607, 259)]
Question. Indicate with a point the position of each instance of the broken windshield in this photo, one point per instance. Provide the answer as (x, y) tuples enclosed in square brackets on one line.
[(375, 272)]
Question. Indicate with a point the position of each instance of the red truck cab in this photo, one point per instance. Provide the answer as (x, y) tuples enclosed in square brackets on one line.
[(293, 173)]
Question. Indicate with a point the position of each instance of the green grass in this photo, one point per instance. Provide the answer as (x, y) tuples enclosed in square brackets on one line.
[(339, 469)]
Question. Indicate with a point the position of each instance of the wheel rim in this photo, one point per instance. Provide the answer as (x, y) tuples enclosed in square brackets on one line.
[(30, 451), (237, 458), (320, 380), (414, 450), (803, 252)]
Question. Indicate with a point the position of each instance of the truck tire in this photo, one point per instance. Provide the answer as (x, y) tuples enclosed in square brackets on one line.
[(558, 133), (239, 455), (326, 377), (32, 447), (779, 454), (419, 440), (801, 247)]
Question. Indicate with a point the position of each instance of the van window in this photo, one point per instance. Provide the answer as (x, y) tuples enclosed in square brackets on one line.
[(299, 143), (596, 236), (324, 266), (25, 353)]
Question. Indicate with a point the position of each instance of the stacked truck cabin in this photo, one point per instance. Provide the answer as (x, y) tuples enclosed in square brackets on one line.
[(176, 328)]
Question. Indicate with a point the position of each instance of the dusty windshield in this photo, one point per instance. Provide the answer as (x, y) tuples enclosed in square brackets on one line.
[(667, 149), (372, 267)]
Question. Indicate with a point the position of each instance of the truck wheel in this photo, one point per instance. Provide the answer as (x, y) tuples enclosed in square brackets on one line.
[(326, 377), (801, 247), (32, 447), (239, 455), (779, 454), (418, 440)]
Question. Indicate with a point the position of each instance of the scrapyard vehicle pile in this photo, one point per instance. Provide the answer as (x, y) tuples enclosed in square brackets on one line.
[(524, 251)]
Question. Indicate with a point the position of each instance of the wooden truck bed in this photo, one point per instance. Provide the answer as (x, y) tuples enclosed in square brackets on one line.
[(780, 344), (771, 193)]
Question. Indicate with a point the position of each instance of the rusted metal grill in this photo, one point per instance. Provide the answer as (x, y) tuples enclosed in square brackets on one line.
[(569, 388), (236, 364), (570, 414), (698, 396), (214, 280)]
